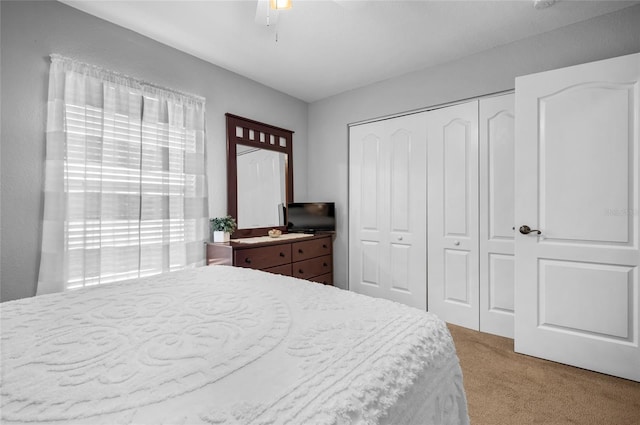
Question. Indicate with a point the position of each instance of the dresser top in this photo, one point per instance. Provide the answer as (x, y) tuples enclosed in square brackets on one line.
[(285, 238)]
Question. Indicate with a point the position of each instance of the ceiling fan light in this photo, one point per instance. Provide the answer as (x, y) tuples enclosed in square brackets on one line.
[(543, 4), (281, 4)]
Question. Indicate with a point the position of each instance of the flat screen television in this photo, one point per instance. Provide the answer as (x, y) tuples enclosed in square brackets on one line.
[(311, 217)]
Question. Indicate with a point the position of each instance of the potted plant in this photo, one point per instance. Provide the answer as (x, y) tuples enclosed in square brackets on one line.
[(221, 228)]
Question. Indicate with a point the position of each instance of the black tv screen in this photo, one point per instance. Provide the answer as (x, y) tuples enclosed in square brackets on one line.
[(311, 217)]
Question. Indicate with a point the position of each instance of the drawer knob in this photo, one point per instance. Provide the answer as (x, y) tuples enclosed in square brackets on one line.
[(324, 245), (282, 254), (247, 260), (300, 251), (301, 271), (325, 265)]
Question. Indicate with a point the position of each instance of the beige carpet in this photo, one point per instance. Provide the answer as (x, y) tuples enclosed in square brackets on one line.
[(507, 388)]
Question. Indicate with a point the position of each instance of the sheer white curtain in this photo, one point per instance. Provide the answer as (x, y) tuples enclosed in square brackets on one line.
[(125, 184)]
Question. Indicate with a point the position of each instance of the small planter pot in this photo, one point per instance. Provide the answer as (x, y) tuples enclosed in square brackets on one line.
[(220, 236)]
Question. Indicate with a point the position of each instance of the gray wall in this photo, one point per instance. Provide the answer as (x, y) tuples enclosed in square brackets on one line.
[(30, 31), (491, 71)]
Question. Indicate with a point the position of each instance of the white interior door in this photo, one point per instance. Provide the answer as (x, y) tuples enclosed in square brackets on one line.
[(496, 151), (577, 297), (453, 256), (387, 209)]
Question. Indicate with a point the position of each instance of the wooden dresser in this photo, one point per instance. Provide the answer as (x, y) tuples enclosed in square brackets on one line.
[(309, 258)]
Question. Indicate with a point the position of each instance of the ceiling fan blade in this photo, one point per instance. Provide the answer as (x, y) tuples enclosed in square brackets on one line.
[(264, 14), (353, 5)]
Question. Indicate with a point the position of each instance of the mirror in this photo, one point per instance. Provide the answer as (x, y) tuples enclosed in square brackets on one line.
[(259, 175), (261, 187)]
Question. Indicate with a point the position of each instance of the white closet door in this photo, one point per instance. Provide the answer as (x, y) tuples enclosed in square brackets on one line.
[(387, 207), (577, 297), (453, 242), (496, 152)]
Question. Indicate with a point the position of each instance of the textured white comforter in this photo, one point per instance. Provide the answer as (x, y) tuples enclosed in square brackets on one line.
[(225, 345)]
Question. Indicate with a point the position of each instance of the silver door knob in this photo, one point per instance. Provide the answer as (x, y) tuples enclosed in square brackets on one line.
[(525, 230), (456, 243)]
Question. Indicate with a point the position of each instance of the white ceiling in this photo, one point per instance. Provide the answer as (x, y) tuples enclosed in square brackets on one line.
[(327, 47)]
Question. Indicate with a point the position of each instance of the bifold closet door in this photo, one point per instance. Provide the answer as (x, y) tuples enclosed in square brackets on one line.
[(496, 151), (387, 209), (453, 244)]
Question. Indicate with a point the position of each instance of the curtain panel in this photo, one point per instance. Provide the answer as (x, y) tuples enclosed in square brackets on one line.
[(125, 183)]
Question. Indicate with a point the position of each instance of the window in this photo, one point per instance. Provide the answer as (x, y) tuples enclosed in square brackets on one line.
[(125, 184)]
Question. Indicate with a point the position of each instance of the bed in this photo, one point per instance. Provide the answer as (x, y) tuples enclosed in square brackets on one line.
[(225, 345)]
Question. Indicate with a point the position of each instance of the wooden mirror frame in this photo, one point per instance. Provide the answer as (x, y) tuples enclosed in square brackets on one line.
[(233, 122)]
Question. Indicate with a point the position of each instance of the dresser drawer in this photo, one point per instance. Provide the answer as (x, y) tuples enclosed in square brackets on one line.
[(264, 257), (310, 249), (314, 267), (313, 256), (284, 269), (326, 279)]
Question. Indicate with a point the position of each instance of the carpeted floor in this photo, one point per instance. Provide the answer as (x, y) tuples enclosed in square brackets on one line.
[(505, 388)]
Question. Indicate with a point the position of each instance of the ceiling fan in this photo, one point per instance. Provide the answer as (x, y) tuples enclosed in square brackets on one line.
[(267, 11)]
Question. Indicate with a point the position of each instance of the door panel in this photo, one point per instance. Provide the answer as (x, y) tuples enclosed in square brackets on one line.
[(370, 263), (498, 144), (496, 179), (588, 298), (453, 214), (577, 178), (387, 202), (400, 180), (562, 196), (455, 145), (369, 172), (500, 291), (399, 267), (456, 277)]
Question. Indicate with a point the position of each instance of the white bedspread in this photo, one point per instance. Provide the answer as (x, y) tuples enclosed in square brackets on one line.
[(225, 345)]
